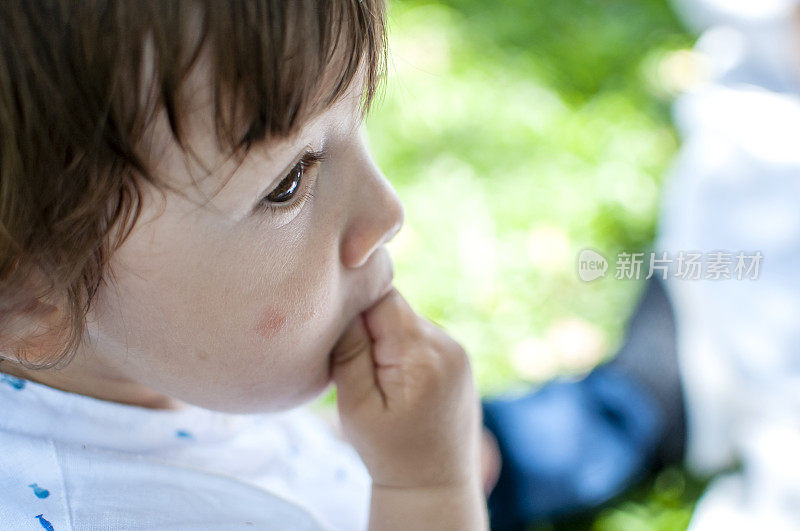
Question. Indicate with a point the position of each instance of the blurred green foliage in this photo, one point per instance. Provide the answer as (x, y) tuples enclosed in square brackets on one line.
[(660, 503), (518, 133)]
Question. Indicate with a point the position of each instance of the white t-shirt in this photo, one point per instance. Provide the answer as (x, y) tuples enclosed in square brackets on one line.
[(72, 462)]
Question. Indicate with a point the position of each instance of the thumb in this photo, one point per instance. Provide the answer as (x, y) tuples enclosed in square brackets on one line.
[(352, 366)]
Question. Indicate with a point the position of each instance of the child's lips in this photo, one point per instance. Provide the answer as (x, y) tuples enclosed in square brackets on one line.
[(384, 271), (376, 280), (386, 287)]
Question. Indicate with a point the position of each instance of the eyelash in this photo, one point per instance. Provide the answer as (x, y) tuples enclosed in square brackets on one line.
[(308, 162)]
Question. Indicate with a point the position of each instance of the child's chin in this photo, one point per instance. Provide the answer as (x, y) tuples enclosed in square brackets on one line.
[(254, 403)]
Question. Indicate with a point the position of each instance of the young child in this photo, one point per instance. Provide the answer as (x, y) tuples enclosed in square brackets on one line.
[(192, 247)]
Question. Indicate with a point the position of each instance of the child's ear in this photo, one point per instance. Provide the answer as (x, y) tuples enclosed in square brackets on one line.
[(30, 331)]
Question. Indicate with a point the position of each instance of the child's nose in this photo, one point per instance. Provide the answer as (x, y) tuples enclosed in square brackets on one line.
[(378, 216)]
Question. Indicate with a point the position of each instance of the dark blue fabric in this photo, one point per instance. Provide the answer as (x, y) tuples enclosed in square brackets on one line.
[(569, 446)]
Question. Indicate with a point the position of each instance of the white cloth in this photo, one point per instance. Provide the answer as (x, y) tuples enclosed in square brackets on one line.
[(747, 41), (72, 462), (736, 187)]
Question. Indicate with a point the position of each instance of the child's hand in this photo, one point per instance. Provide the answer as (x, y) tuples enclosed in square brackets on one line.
[(406, 398)]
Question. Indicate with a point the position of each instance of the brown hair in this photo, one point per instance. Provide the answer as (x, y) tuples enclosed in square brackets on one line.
[(75, 102)]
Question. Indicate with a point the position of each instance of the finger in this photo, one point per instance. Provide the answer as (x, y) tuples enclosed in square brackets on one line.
[(392, 316), (352, 366)]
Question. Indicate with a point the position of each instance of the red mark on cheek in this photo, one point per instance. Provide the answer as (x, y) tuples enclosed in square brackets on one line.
[(270, 324)]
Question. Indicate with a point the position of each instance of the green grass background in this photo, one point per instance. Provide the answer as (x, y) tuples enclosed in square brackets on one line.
[(518, 133)]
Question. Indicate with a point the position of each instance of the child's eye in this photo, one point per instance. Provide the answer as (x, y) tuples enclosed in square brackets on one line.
[(281, 197), (288, 186)]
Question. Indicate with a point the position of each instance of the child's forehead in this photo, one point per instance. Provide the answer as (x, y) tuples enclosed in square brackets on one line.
[(209, 167), (264, 93)]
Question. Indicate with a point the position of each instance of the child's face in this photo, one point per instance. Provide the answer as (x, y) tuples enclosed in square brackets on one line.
[(234, 308)]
